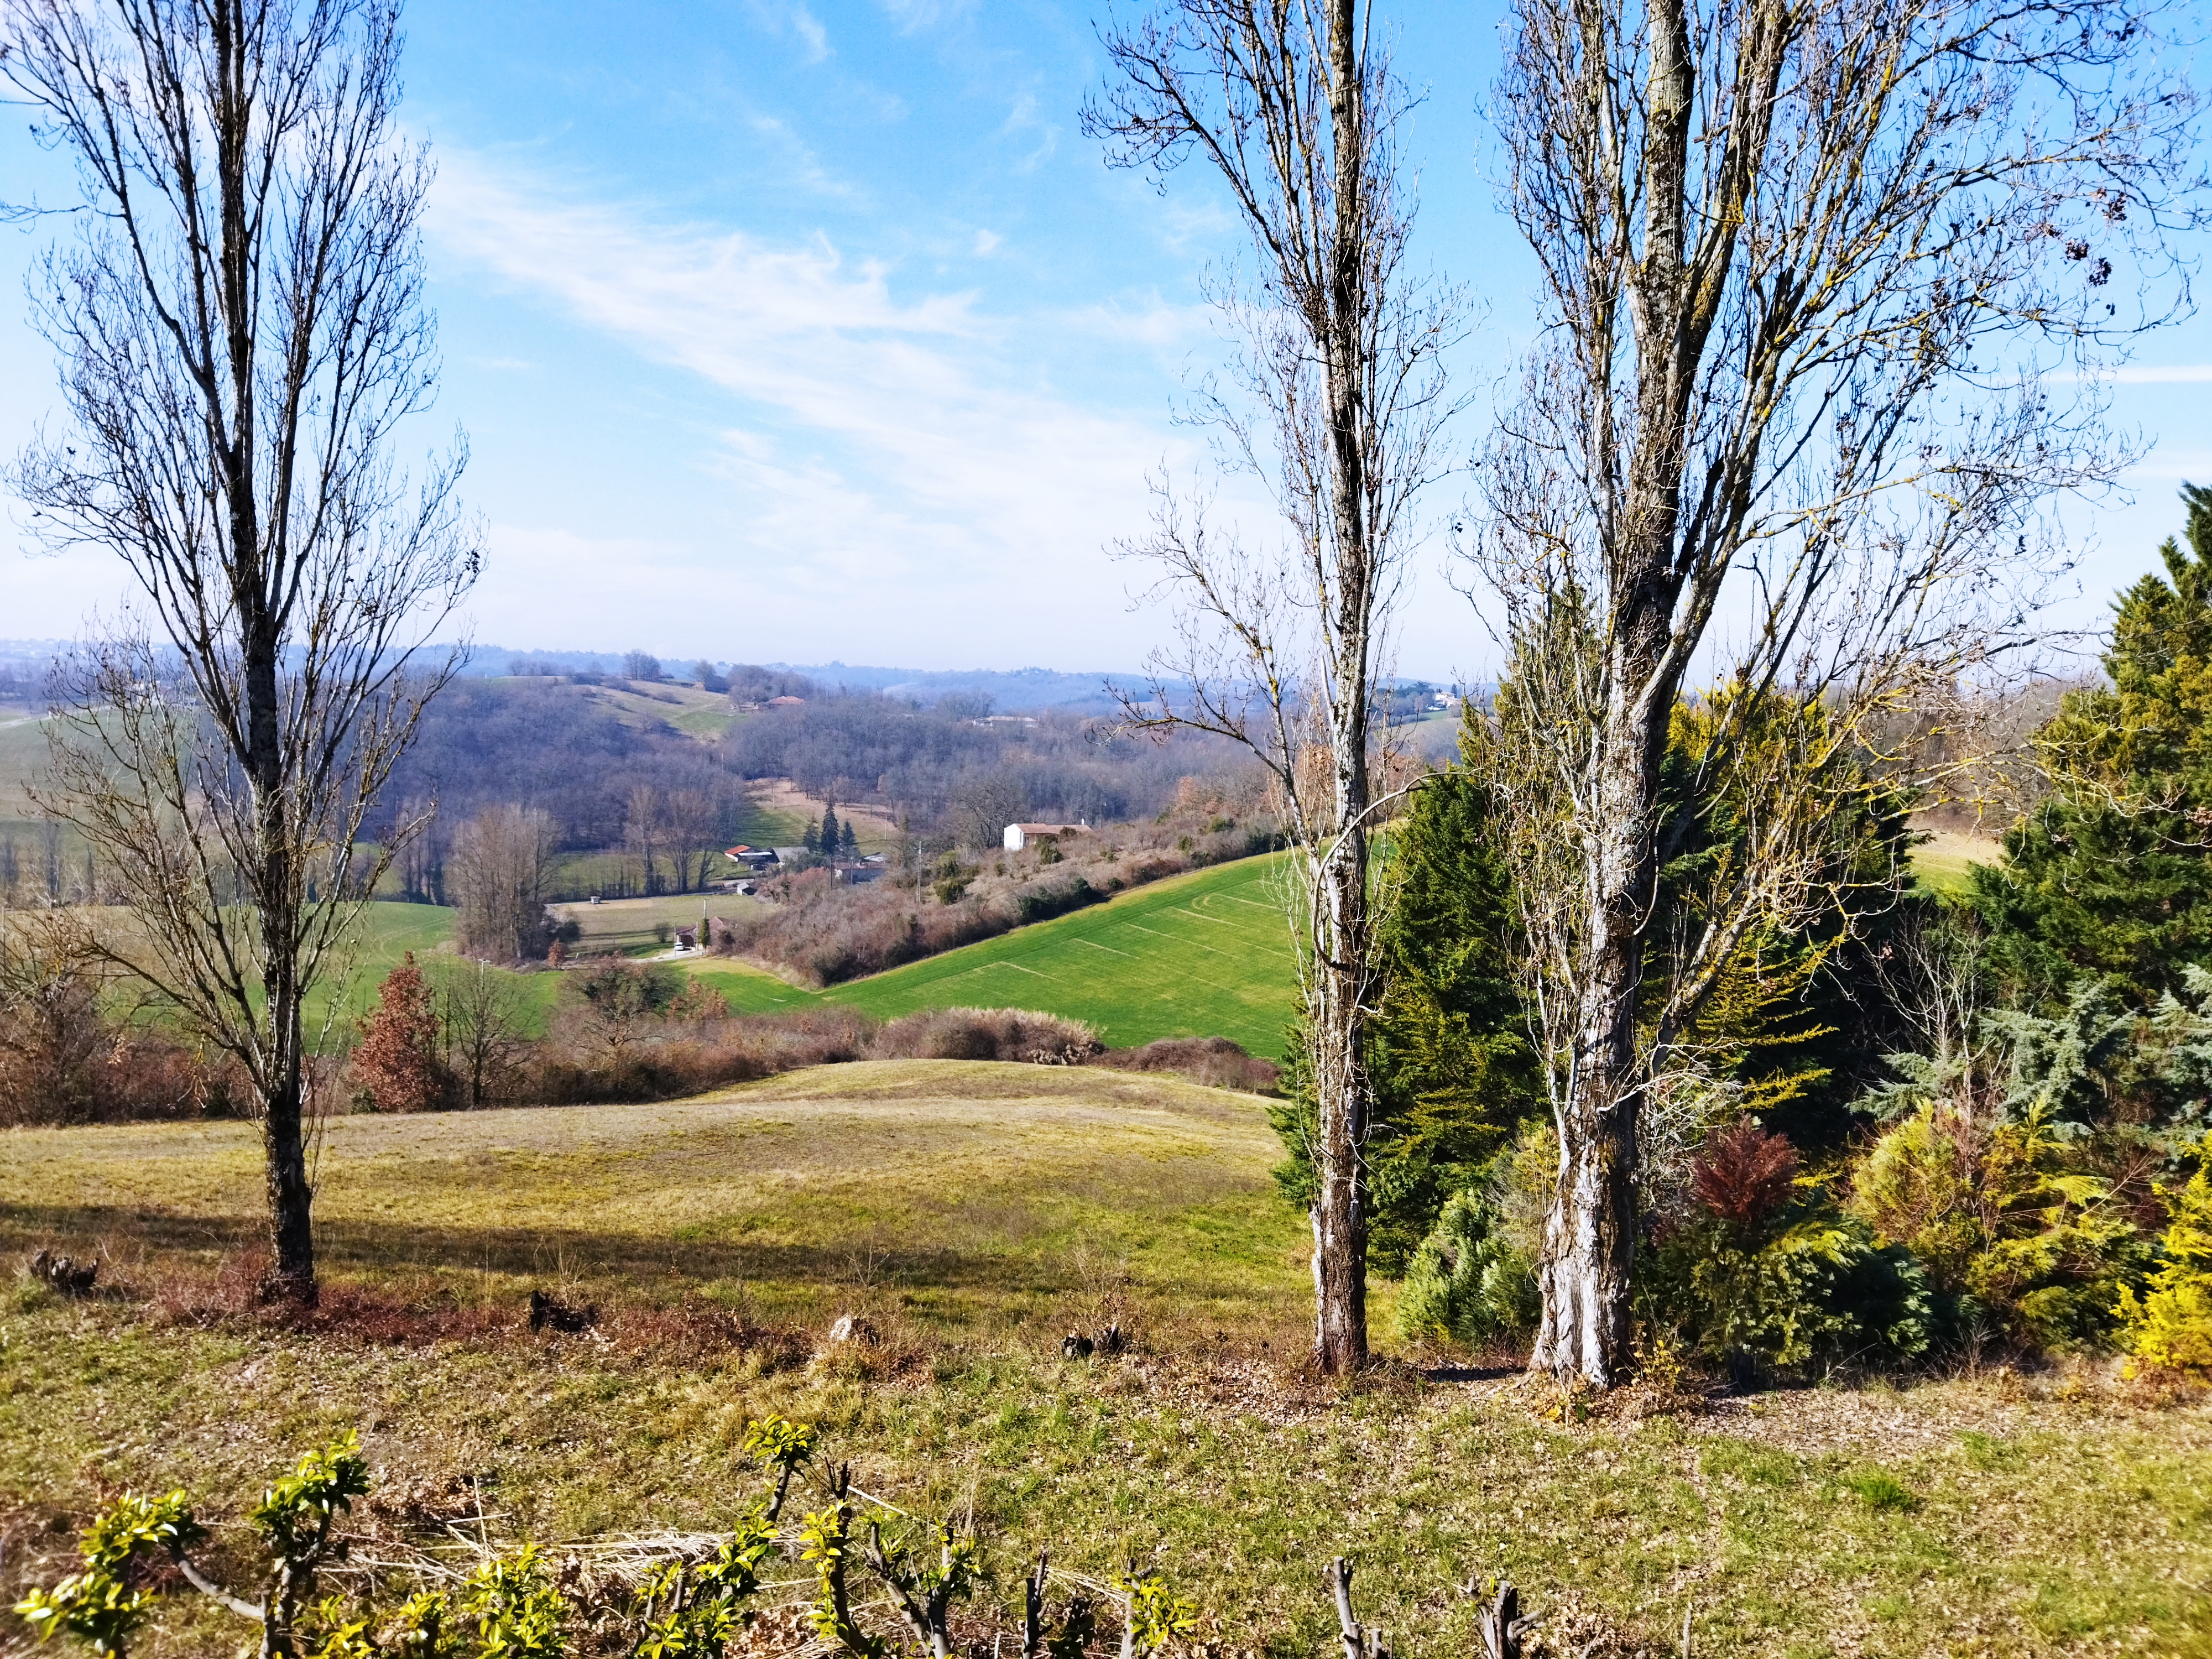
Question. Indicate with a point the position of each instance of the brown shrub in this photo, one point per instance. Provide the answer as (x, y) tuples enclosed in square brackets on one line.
[(988, 1034), (693, 1332), (1214, 1061), (394, 1313), (685, 1059), (398, 1064), (1743, 1173)]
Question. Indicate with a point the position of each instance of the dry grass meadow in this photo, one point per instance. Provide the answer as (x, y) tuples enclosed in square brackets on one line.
[(970, 1213)]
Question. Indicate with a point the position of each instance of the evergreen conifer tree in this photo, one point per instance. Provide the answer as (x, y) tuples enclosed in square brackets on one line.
[(2111, 875), (830, 832), (848, 844)]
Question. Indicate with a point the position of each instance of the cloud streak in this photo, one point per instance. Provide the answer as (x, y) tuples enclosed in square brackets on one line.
[(904, 439), (2156, 375)]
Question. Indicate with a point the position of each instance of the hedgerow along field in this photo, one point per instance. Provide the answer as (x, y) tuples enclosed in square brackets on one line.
[(1207, 954), (970, 1213)]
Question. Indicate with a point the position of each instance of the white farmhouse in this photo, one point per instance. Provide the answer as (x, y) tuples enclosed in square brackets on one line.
[(1019, 835)]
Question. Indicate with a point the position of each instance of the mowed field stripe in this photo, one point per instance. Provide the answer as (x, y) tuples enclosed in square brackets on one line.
[(1134, 967)]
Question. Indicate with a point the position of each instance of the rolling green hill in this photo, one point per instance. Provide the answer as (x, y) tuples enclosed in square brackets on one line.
[(1202, 955)]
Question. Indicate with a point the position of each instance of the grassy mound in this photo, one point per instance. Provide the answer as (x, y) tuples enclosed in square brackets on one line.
[(970, 1214), (972, 1184)]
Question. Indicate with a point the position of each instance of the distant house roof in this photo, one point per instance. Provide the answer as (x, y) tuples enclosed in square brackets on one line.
[(786, 703)]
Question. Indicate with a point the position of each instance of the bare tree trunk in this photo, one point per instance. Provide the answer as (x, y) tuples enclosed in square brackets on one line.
[(240, 328), (1343, 1097), (1804, 271), (1294, 108)]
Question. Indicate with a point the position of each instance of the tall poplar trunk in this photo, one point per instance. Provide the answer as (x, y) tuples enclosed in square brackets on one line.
[(1589, 1256), (1338, 1018), (1589, 1237), (291, 1275), (1337, 1021), (241, 328), (1296, 108)]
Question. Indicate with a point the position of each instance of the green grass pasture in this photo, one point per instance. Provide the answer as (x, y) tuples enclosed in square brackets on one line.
[(972, 1213), (22, 757), (1943, 861), (974, 1182), (1203, 955)]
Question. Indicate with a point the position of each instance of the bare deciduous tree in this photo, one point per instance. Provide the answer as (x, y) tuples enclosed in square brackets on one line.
[(1335, 402), (496, 877), (643, 832), (1787, 429), (689, 820), (422, 858), (481, 1022), (240, 328)]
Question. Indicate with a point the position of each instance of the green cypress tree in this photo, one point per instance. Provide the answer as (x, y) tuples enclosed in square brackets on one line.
[(2111, 875), (828, 834), (848, 844), (1447, 1049)]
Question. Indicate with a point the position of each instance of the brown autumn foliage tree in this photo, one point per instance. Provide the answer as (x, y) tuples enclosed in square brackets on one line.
[(1743, 1173), (400, 1060)]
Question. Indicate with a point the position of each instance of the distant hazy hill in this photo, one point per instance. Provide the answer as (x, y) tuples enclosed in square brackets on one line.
[(1009, 691), (1012, 691)]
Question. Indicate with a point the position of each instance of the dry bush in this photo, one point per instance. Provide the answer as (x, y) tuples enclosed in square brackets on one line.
[(1214, 1061), (109, 1074), (684, 1059), (1743, 1173), (691, 1331), (988, 1034)]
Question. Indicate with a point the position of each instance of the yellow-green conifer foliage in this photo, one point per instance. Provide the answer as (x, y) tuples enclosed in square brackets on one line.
[(2171, 1324)]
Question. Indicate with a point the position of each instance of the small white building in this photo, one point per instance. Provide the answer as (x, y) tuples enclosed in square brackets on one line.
[(1019, 835)]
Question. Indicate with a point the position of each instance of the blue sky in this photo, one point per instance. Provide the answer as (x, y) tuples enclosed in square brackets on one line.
[(808, 329)]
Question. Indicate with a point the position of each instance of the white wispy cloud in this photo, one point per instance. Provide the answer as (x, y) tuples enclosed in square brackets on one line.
[(898, 438), (802, 167), (1024, 122), (915, 16), (2157, 374), (809, 28), (1155, 324), (780, 21)]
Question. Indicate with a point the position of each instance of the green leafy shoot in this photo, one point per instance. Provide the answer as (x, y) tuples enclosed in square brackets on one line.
[(99, 1604), (1156, 1615), (295, 1515)]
